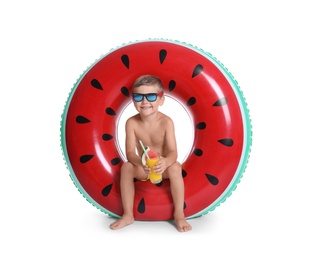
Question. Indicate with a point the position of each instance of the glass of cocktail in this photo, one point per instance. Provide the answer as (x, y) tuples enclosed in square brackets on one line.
[(154, 177)]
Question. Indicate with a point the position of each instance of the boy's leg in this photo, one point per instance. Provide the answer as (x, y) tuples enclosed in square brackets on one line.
[(127, 188), (177, 191)]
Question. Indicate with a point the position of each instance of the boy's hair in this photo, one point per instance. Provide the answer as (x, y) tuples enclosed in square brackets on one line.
[(148, 80)]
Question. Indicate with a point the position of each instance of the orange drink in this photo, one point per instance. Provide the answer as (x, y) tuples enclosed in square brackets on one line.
[(153, 176)]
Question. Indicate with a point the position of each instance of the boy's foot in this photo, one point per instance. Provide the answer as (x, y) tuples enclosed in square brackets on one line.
[(122, 222), (182, 225)]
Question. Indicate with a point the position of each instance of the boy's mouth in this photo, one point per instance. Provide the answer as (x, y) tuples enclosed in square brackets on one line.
[(145, 107)]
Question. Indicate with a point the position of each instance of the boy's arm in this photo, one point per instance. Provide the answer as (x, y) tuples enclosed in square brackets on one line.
[(171, 147), (130, 144)]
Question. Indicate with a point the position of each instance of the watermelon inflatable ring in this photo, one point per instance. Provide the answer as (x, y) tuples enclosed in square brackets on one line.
[(192, 77)]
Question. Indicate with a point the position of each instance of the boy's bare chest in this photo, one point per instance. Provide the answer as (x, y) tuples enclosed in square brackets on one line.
[(152, 136)]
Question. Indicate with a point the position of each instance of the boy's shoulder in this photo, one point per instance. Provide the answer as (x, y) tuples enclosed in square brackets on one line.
[(133, 118), (166, 117)]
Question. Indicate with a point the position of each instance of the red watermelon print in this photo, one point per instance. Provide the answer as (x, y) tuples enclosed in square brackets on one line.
[(194, 78)]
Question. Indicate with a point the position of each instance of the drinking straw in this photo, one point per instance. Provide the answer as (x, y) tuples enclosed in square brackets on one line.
[(141, 143)]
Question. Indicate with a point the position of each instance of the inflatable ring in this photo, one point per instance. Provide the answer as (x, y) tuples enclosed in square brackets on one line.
[(222, 134)]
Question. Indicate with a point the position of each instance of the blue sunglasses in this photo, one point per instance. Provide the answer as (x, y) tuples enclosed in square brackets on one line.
[(151, 97)]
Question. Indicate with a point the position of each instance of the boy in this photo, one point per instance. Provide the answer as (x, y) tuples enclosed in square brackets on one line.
[(157, 130)]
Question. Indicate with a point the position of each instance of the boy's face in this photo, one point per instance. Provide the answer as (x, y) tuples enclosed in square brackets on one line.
[(147, 99)]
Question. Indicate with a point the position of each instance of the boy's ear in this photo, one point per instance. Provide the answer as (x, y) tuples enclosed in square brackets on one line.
[(162, 99)]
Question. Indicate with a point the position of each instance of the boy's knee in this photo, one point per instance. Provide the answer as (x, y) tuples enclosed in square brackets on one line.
[(177, 166), (175, 169), (126, 166)]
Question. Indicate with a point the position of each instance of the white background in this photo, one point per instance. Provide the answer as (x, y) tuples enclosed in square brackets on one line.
[(272, 48)]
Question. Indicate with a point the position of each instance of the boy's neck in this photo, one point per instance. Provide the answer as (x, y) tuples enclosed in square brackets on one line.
[(149, 119)]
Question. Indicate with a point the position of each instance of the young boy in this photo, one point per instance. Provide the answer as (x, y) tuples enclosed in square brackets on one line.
[(157, 130)]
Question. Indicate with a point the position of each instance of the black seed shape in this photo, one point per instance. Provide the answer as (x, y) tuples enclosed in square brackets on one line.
[(227, 142), (125, 91), (160, 184), (125, 60), (212, 179), (115, 161), (184, 207), (110, 111), (141, 206), (85, 158), (162, 55), (95, 83), (198, 152), (107, 137), (171, 85), (221, 102), (184, 173), (191, 101), (198, 69), (82, 120), (106, 190), (201, 125)]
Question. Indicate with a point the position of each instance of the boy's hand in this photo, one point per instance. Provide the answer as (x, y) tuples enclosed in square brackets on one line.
[(146, 169), (161, 165)]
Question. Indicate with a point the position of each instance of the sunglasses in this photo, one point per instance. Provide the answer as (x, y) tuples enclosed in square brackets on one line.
[(151, 97)]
